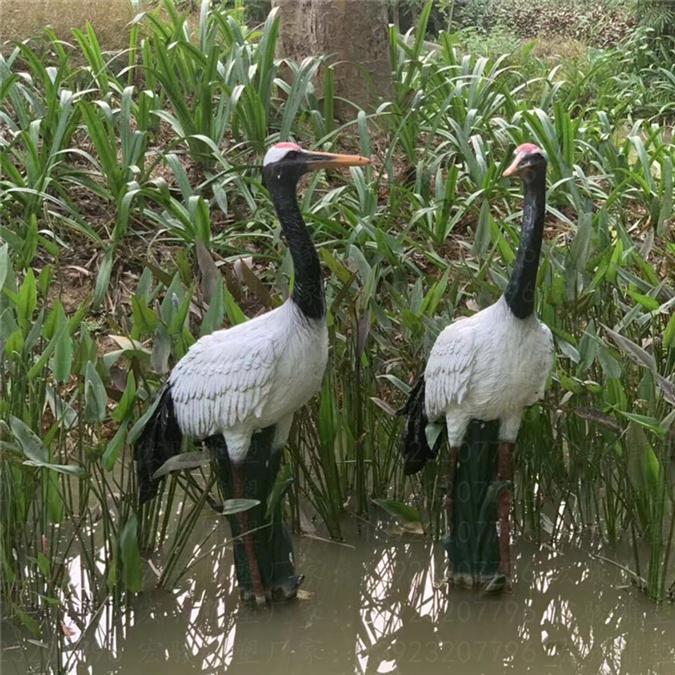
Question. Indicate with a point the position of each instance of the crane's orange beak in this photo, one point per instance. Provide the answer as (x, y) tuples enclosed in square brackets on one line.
[(329, 160), (514, 167)]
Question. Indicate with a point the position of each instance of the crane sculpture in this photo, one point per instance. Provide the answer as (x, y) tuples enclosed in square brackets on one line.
[(482, 372), (238, 388)]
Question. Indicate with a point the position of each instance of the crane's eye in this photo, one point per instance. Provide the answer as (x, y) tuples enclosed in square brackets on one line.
[(293, 154)]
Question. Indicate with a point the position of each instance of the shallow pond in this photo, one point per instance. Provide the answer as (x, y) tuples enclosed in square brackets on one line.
[(380, 605)]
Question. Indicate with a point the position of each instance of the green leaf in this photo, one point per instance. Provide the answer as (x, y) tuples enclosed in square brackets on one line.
[(283, 480), (56, 506), (37, 454), (643, 465), (126, 403), (114, 446), (636, 353), (113, 572), (26, 301), (398, 383), (185, 461), (27, 621), (482, 237), (615, 394), (402, 512), (144, 319), (95, 395), (232, 309), (139, 425), (652, 471), (649, 303), (66, 469), (130, 556), (215, 314), (610, 366), (43, 564), (63, 348), (29, 442), (645, 421), (579, 252), (231, 506), (433, 433), (669, 334), (103, 277), (4, 264)]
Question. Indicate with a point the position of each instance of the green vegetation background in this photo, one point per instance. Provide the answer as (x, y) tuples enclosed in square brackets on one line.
[(133, 221)]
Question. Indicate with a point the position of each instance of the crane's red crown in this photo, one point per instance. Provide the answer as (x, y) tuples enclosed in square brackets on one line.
[(280, 150), (287, 145), (526, 149), (521, 153)]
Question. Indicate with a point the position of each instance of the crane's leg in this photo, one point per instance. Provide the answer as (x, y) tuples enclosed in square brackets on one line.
[(273, 544), (505, 473), (242, 517), (473, 545), (450, 494)]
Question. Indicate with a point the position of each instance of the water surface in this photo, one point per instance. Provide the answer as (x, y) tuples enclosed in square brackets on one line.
[(381, 606)]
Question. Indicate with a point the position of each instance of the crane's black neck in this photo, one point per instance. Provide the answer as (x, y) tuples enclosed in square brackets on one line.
[(307, 288), (519, 293)]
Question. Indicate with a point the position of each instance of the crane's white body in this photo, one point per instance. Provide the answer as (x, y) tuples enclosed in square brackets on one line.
[(489, 366), (246, 378)]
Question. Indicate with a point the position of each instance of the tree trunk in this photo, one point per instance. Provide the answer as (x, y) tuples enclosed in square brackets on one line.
[(354, 33)]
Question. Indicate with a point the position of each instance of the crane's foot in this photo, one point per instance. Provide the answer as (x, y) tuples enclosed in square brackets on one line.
[(498, 584), (461, 580), (280, 592), (250, 597), (258, 591), (485, 584), (287, 590)]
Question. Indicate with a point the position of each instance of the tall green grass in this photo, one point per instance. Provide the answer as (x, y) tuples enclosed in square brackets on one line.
[(135, 172)]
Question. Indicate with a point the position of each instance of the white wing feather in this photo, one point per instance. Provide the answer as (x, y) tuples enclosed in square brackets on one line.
[(224, 379), (449, 368)]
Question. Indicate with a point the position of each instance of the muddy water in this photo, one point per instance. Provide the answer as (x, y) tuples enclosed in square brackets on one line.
[(381, 607)]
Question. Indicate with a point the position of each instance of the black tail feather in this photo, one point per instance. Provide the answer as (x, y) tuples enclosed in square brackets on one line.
[(416, 450), (160, 439)]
